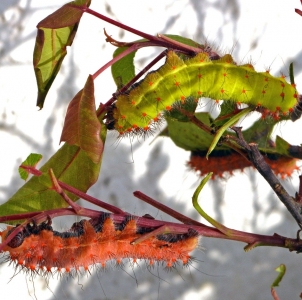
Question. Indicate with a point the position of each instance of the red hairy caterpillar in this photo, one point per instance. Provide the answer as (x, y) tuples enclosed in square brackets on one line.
[(40, 249), (228, 161), (141, 107)]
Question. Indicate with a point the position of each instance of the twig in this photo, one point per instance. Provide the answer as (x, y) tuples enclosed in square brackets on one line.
[(263, 168)]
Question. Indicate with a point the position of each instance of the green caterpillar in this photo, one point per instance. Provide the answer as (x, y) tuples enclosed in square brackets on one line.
[(141, 108)]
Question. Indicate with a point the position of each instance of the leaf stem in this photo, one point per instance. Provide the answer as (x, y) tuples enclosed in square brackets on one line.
[(216, 224), (78, 193), (225, 126)]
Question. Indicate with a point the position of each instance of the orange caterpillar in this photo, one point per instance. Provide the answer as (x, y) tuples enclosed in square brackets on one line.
[(220, 162), (40, 249)]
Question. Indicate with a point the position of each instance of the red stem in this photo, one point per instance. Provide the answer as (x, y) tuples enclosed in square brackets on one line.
[(158, 41), (132, 48), (78, 193), (166, 209), (251, 239), (115, 23), (203, 230)]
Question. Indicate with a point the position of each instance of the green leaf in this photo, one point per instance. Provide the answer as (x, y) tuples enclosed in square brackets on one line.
[(123, 70), (82, 127), (260, 133), (188, 136), (282, 146), (32, 160), (281, 269), (227, 111), (70, 165), (55, 33)]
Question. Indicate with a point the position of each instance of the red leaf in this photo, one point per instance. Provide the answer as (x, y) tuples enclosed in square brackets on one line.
[(81, 126)]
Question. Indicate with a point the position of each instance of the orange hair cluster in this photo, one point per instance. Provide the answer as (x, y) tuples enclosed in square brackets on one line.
[(40, 249), (229, 161)]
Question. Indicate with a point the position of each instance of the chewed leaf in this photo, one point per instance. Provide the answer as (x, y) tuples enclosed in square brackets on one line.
[(178, 79), (31, 161), (55, 33), (81, 126)]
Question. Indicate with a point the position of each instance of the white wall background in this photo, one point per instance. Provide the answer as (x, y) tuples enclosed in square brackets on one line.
[(266, 32)]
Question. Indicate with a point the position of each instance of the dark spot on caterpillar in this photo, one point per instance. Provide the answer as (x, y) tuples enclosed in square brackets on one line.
[(110, 122), (143, 230), (76, 230), (148, 216), (121, 226), (97, 223), (43, 226), (295, 151), (77, 227), (17, 240), (212, 54), (67, 234), (29, 229), (297, 112), (174, 238)]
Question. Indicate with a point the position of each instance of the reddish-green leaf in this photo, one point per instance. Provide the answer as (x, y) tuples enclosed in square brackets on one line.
[(55, 33), (81, 126)]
